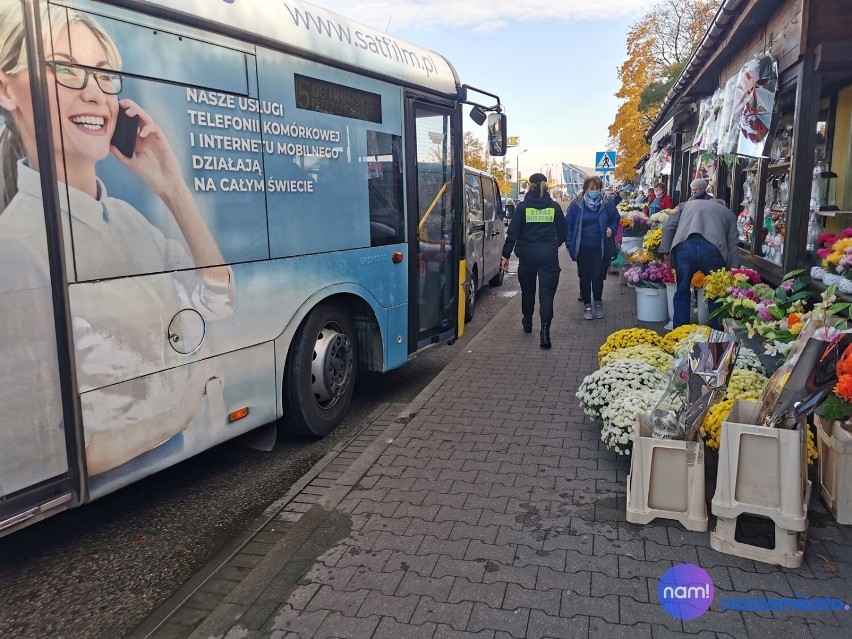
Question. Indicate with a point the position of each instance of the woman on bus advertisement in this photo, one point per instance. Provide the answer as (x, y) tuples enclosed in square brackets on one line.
[(110, 238)]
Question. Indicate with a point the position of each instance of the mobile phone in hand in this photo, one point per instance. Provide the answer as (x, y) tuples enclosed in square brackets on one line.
[(126, 130)]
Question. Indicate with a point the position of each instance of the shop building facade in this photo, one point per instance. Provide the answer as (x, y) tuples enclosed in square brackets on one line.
[(763, 112)]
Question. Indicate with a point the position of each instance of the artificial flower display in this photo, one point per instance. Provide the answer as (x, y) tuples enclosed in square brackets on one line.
[(652, 355), (602, 387), (619, 419), (631, 337)]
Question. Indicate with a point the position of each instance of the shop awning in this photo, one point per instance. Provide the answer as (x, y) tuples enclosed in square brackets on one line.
[(663, 131)]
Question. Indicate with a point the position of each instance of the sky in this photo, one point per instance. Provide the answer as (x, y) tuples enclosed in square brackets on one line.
[(554, 63)]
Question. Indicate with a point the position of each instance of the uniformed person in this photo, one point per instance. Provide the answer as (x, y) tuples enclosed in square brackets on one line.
[(536, 232)]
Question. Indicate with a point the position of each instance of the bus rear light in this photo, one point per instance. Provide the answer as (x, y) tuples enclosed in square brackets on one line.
[(397, 257), (238, 414)]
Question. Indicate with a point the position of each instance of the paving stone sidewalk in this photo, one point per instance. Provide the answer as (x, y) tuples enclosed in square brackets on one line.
[(489, 508)]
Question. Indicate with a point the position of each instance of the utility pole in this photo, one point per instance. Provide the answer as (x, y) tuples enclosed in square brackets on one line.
[(518, 170)]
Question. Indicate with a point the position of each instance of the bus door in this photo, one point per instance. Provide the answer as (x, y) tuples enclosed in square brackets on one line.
[(434, 227), (36, 442)]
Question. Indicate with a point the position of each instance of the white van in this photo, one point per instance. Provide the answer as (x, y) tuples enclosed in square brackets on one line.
[(486, 234)]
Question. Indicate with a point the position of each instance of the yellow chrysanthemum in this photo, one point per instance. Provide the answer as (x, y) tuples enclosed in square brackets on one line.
[(745, 384), (685, 330), (652, 355), (711, 427), (652, 241), (639, 257), (633, 337), (813, 453), (717, 283)]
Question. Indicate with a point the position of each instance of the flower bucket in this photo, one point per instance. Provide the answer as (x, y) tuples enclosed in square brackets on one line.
[(702, 311), (631, 244), (651, 304)]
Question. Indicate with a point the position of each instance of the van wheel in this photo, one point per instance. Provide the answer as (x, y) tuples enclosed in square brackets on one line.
[(497, 280), (320, 376), (470, 303)]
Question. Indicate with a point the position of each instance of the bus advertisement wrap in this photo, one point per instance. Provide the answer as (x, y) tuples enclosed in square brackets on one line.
[(176, 297)]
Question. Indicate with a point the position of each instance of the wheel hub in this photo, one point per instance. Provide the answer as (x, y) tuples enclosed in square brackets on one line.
[(332, 366)]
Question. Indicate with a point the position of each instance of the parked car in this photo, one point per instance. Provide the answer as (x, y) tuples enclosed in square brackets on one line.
[(486, 233)]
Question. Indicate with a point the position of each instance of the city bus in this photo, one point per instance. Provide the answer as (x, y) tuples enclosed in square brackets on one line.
[(214, 214)]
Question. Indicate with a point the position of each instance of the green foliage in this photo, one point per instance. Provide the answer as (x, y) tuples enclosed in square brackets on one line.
[(653, 94), (835, 408)]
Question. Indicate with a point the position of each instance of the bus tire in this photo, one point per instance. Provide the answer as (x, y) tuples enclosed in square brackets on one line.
[(470, 302), (320, 376)]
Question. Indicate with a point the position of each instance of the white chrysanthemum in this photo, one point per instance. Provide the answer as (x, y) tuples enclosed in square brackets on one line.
[(619, 417), (652, 355), (747, 359), (605, 385)]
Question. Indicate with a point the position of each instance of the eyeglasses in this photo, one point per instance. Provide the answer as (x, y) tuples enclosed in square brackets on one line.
[(75, 76)]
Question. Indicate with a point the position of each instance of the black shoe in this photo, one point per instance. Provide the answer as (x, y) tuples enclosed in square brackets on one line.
[(526, 322), (545, 335)]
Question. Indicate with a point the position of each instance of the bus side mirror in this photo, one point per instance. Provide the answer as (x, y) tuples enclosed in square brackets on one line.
[(497, 134)]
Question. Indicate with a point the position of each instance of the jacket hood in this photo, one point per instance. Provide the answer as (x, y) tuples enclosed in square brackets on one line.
[(531, 199)]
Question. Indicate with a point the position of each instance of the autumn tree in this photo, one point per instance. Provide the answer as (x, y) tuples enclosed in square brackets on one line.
[(658, 48), (496, 169), (474, 151)]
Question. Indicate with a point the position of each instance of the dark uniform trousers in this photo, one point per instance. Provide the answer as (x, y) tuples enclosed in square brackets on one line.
[(545, 267)]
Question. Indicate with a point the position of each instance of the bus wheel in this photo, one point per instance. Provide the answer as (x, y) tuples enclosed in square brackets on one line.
[(320, 377), (470, 303)]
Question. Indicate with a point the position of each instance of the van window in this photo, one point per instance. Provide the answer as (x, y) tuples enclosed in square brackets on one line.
[(490, 199), (473, 197)]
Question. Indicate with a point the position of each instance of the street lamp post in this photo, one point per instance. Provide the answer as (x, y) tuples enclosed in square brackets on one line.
[(518, 170)]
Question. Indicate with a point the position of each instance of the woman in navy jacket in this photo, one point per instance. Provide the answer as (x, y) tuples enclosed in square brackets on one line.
[(591, 220)]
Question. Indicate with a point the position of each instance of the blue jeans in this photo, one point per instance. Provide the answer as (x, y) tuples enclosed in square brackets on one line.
[(690, 256)]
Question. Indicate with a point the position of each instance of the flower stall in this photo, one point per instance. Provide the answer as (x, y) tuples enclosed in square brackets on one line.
[(661, 399)]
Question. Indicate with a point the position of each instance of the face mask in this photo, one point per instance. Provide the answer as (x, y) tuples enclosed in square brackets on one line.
[(594, 196), (658, 192)]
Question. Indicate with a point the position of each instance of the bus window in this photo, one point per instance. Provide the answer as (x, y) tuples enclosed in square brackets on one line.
[(384, 183)]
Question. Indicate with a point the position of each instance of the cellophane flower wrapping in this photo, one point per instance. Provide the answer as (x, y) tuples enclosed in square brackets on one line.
[(807, 376), (710, 367), (700, 380)]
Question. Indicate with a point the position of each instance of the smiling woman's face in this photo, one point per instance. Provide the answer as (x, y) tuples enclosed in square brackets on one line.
[(82, 119)]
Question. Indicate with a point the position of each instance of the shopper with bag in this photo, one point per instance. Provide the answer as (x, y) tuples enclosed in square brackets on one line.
[(592, 224)]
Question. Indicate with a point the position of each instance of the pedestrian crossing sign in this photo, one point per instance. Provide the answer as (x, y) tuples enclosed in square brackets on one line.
[(605, 161)]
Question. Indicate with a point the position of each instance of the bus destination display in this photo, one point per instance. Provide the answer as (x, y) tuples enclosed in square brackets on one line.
[(327, 97)]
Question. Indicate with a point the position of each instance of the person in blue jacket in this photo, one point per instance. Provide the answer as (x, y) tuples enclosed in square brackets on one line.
[(591, 220), (536, 232)]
